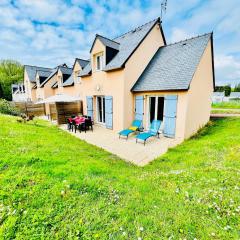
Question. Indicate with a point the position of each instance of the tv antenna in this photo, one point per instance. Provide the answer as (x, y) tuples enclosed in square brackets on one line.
[(163, 7)]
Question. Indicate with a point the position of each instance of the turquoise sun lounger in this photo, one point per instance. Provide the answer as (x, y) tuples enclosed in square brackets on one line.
[(136, 124), (153, 131)]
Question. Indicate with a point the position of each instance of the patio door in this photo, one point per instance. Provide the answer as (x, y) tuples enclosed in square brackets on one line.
[(156, 108), (100, 102)]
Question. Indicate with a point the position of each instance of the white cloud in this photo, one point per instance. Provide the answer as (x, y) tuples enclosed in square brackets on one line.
[(226, 61), (48, 32), (227, 69), (178, 35)]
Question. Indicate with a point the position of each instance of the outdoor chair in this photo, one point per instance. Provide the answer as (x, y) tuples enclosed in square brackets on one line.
[(153, 131), (69, 124), (86, 125), (136, 124), (77, 122)]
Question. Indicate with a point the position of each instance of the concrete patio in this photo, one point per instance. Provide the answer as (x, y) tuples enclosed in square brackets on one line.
[(127, 150)]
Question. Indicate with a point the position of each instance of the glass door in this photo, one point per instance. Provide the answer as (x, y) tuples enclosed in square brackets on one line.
[(156, 107), (100, 100)]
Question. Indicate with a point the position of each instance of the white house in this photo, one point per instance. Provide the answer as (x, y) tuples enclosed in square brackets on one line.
[(218, 97), (18, 92), (234, 96)]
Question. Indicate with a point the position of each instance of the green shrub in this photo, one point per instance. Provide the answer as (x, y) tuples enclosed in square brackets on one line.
[(7, 108)]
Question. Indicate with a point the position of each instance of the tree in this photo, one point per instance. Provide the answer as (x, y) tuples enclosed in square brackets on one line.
[(10, 72), (237, 88), (227, 89)]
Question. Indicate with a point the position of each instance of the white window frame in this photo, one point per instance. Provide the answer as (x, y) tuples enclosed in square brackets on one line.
[(103, 110), (101, 63), (156, 107), (60, 81), (77, 78)]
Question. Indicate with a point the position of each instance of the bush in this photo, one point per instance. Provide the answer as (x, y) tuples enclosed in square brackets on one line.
[(7, 108)]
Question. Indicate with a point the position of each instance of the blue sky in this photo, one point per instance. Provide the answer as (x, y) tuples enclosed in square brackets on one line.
[(50, 32)]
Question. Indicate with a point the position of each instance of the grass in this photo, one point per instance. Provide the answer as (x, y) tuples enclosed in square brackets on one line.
[(229, 105), (227, 111), (55, 186)]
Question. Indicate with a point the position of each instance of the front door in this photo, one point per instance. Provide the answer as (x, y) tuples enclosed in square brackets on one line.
[(100, 102)]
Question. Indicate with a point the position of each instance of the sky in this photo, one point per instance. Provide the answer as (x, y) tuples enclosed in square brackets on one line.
[(51, 32)]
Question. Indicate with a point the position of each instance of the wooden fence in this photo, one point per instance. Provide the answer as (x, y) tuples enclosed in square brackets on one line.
[(57, 111), (30, 108), (62, 110)]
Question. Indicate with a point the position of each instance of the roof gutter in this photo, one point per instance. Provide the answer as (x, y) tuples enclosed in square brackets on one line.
[(213, 68), (164, 90)]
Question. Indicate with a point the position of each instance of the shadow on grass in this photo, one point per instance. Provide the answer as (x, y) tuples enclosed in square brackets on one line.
[(210, 128)]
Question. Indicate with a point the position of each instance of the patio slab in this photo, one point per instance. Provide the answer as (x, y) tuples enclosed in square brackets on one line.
[(128, 150)]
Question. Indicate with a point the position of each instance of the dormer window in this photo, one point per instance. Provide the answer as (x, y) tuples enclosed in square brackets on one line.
[(77, 78), (99, 62), (60, 81)]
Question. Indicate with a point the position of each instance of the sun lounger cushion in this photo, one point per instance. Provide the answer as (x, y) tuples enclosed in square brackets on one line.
[(144, 136), (134, 128), (125, 132)]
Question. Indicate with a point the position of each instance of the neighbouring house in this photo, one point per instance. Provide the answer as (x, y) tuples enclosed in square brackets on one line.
[(63, 80), (41, 83), (138, 76), (218, 97), (234, 96), (49, 87), (18, 92), (41, 77), (71, 85), (30, 82)]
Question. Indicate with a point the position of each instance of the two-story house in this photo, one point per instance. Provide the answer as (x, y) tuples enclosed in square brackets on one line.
[(30, 80), (138, 76)]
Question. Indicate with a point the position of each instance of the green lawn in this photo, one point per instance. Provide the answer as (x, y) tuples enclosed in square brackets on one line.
[(227, 111), (229, 105), (55, 186)]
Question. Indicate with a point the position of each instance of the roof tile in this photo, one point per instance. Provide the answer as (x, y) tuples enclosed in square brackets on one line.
[(173, 66)]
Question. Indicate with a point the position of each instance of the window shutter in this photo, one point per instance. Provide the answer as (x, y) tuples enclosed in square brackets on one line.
[(139, 107), (109, 112), (90, 106), (170, 114)]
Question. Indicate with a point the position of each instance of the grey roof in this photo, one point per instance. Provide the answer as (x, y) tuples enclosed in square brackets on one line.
[(31, 71), (54, 71), (107, 42), (64, 70), (218, 94), (69, 81), (128, 43), (234, 95), (82, 62), (173, 66), (86, 71), (44, 73)]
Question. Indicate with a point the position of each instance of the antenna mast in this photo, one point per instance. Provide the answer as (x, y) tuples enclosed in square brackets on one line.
[(163, 8)]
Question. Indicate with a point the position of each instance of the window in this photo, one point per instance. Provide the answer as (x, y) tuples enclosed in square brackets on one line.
[(156, 107), (60, 81), (99, 62), (77, 78), (101, 109)]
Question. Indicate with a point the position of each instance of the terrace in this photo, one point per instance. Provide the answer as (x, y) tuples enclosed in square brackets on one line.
[(126, 149)]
